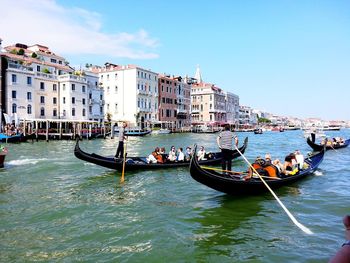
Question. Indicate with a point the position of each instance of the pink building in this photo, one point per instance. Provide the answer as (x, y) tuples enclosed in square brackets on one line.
[(167, 99)]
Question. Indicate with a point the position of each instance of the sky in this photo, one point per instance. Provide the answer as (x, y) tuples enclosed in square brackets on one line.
[(290, 57)]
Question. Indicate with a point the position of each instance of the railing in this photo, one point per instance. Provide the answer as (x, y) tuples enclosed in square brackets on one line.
[(20, 67), (45, 75), (71, 77)]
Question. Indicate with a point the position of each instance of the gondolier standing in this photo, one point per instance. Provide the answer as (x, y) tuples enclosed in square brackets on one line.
[(120, 149), (224, 141)]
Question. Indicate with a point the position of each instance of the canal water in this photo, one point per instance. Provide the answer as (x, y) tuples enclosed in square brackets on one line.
[(57, 208)]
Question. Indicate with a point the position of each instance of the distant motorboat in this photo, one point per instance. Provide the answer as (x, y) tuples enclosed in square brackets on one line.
[(134, 131), (161, 131)]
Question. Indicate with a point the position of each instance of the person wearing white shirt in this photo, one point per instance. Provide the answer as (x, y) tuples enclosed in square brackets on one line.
[(180, 155)]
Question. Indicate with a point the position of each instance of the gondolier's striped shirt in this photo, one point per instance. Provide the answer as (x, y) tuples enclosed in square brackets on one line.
[(226, 138)]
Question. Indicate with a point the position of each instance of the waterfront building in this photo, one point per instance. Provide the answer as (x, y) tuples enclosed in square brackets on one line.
[(232, 108), (174, 101), (131, 93), (247, 119), (184, 102), (208, 104), (38, 84)]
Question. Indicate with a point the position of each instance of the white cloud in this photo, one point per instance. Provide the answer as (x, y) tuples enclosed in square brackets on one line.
[(69, 31)]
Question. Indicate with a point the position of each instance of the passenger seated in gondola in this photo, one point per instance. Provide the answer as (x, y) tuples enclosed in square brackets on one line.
[(180, 155), (151, 158), (290, 165), (299, 159), (188, 154), (201, 154), (263, 167), (157, 155), (172, 154), (163, 154)]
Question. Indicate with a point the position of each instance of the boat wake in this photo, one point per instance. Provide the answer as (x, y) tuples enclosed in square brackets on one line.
[(25, 161), (318, 173)]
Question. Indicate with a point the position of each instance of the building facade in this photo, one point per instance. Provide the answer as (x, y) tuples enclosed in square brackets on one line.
[(38, 84), (131, 93), (232, 108), (208, 104)]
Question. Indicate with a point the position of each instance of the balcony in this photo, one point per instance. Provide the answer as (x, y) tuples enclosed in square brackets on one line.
[(68, 77), (19, 67), (46, 76), (143, 92)]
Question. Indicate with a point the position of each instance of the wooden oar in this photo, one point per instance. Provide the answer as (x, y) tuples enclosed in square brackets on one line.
[(302, 227), (124, 159), (333, 148), (220, 170)]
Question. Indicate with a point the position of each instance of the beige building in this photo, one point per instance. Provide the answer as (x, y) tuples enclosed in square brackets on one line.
[(208, 104), (39, 84)]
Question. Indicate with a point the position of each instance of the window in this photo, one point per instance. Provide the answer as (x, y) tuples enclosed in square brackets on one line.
[(73, 87), (73, 111), (29, 96), (73, 100), (83, 112), (42, 111), (14, 108), (90, 95), (64, 113), (116, 75), (54, 87), (90, 109), (64, 86), (14, 78), (83, 101), (64, 100), (83, 88), (101, 110), (107, 77), (29, 109), (53, 60), (42, 99), (54, 100), (38, 68), (116, 89), (116, 107), (54, 113), (14, 94), (42, 85), (29, 81)]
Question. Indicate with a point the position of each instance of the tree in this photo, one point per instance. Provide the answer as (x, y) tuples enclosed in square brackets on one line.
[(263, 120), (46, 70), (20, 52), (34, 55)]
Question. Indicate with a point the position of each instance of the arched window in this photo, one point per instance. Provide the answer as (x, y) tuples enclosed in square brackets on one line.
[(14, 108), (29, 109)]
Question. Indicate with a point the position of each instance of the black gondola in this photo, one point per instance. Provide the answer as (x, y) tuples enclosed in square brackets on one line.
[(234, 185), (319, 147), (135, 163), (258, 131)]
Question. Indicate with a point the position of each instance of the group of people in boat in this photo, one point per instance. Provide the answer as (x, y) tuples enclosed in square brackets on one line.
[(159, 155), (336, 141), (293, 163)]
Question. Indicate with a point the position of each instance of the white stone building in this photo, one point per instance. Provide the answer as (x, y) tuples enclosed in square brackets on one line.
[(131, 93), (38, 84)]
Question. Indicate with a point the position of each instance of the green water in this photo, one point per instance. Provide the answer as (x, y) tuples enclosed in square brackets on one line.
[(56, 208)]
